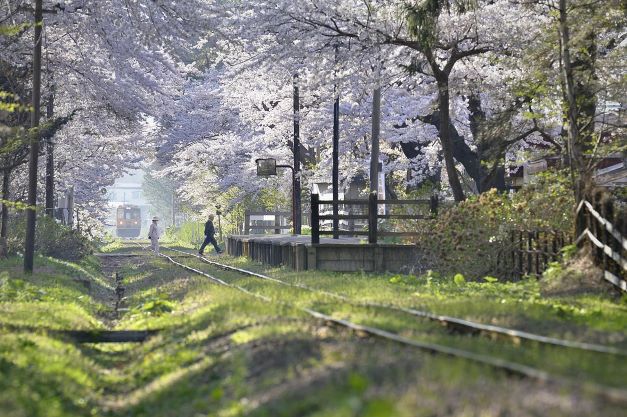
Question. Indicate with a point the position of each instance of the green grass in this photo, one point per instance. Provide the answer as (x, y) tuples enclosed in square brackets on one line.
[(606, 369), (224, 353), (518, 305)]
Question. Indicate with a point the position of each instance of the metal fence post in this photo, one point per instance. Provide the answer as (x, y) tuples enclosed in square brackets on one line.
[(372, 218), (247, 223), (315, 219)]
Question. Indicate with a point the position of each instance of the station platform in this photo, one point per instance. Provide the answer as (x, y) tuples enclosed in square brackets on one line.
[(346, 254)]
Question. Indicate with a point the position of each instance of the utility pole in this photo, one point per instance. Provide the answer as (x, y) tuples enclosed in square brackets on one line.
[(296, 186), (50, 162), (31, 211), (336, 158)]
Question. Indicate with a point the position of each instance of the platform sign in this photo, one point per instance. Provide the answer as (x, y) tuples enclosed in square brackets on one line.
[(381, 189), (266, 167)]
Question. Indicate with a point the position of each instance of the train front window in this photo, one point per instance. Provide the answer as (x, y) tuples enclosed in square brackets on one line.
[(131, 214)]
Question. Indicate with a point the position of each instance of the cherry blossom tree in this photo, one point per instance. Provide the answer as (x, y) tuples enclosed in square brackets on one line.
[(113, 65)]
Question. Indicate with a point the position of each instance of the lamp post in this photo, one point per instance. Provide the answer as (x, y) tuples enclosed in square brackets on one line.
[(267, 167)]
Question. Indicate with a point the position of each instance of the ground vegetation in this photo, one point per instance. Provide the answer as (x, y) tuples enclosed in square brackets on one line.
[(221, 352)]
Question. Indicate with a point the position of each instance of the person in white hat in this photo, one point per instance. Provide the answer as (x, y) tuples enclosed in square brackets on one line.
[(154, 233)]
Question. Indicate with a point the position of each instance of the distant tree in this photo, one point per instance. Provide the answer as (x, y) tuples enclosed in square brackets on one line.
[(161, 194)]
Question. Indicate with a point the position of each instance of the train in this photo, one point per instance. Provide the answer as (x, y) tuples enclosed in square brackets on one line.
[(128, 221)]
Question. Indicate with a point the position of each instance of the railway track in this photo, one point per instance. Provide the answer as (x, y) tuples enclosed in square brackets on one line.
[(455, 322), (615, 395)]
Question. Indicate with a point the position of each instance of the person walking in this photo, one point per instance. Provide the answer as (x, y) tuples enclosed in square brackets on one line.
[(209, 232), (154, 233)]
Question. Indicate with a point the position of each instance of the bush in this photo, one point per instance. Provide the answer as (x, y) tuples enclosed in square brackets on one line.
[(51, 239), (473, 236), (189, 233)]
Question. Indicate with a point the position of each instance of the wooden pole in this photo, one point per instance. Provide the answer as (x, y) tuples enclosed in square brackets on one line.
[(433, 205), (372, 218), (315, 219), (520, 254), (336, 158), (529, 252), (376, 128), (31, 212)]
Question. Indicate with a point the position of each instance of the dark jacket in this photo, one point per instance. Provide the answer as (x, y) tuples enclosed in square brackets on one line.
[(209, 229)]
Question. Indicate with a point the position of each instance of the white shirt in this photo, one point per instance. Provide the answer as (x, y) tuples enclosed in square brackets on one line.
[(154, 232)]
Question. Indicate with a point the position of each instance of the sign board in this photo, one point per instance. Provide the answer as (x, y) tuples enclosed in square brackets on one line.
[(266, 167), (381, 188)]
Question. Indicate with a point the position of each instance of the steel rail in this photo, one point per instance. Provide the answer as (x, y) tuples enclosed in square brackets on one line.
[(616, 395), (459, 322)]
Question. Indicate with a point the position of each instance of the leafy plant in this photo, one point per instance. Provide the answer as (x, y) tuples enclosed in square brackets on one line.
[(51, 239), (459, 279), (475, 235), (155, 306), (18, 290)]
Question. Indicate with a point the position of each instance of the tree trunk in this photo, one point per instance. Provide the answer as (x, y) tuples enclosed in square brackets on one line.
[(445, 139), (5, 213), (31, 212), (50, 162), (569, 94), (296, 189)]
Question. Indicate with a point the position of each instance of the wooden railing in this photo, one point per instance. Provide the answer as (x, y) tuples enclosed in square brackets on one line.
[(277, 221), (372, 216), (606, 238)]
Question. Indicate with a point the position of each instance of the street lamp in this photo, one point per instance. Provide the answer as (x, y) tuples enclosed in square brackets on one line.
[(267, 167)]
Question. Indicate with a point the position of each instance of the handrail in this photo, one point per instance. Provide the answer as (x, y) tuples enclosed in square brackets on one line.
[(372, 216), (364, 202), (606, 249), (586, 214), (253, 226), (345, 202), (608, 226)]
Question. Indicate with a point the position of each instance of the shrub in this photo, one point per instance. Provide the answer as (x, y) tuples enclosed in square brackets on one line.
[(51, 239), (189, 232), (473, 236)]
